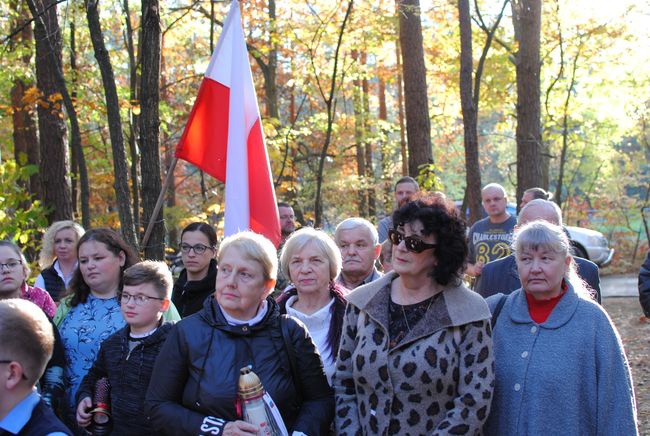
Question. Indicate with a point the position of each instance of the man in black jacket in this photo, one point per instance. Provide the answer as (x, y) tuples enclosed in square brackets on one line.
[(501, 276), (644, 286)]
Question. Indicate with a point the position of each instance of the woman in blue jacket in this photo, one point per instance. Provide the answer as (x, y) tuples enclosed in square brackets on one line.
[(560, 364)]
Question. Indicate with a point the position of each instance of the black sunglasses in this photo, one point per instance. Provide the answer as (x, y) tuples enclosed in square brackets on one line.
[(412, 244)]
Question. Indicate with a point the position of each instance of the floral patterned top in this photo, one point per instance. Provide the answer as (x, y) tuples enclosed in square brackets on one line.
[(82, 331)]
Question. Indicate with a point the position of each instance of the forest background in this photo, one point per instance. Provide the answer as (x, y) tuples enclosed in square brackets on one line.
[(94, 97)]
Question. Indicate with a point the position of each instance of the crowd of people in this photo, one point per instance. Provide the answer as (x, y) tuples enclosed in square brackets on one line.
[(373, 330)]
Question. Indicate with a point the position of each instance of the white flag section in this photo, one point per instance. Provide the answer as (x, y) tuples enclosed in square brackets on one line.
[(224, 135)]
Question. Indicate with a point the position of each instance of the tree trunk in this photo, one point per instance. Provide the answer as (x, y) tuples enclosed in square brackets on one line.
[(26, 150), (370, 172), (470, 118), (52, 129), (386, 155), (74, 155), (400, 111), (134, 129), (527, 21), (170, 194), (418, 125), (149, 128), (120, 184), (330, 103), (357, 105), (565, 131), (270, 82)]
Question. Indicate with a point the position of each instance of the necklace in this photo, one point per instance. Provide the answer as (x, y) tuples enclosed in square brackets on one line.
[(404, 312)]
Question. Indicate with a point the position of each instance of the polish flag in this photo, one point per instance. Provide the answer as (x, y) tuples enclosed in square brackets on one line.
[(224, 137)]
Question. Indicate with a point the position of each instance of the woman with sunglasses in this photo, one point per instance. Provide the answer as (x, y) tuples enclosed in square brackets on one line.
[(416, 349), (196, 282)]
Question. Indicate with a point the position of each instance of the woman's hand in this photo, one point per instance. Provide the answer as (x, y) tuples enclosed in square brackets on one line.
[(83, 412), (239, 428)]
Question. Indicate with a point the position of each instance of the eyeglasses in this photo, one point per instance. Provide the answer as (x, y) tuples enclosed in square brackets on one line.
[(412, 244), (11, 265), (198, 248), (9, 361), (139, 299)]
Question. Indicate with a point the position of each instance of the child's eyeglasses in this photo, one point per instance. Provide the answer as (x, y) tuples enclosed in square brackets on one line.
[(412, 244), (139, 299)]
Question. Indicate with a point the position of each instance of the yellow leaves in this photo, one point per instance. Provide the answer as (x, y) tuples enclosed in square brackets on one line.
[(3, 215), (214, 208), (132, 105), (31, 96), (23, 239)]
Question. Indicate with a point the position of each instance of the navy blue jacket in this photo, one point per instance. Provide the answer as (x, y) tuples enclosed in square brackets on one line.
[(43, 421), (129, 374), (501, 276), (194, 382), (644, 286)]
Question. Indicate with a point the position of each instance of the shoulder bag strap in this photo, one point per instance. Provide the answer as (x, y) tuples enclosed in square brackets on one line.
[(288, 345), (497, 310)]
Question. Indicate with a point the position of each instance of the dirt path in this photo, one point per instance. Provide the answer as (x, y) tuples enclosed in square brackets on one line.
[(635, 332)]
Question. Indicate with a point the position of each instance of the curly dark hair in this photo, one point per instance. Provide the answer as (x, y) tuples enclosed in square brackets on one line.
[(439, 218), (114, 243)]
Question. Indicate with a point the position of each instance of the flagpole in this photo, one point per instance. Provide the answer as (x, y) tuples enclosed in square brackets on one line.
[(161, 197)]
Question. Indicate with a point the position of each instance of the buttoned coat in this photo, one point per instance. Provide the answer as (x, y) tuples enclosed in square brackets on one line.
[(568, 375)]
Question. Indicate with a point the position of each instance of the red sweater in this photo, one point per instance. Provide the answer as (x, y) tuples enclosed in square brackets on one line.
[(540, 310)]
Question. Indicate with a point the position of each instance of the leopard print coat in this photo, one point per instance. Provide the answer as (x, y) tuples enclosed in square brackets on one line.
[(438, 380)]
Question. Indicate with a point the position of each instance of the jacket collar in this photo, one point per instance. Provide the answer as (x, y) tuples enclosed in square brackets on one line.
[(206, 283), (561, 314), (458, 306), (159, 335), (213, 316)]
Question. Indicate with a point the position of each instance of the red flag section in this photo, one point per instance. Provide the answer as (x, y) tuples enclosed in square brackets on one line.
[(224, 137)]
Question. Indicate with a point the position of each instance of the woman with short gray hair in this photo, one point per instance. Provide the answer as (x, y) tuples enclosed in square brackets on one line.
[(560, 363), (194, 382), (311, 260)]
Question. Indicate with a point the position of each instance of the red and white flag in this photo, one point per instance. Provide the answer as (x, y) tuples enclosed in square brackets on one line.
[(224, 137)]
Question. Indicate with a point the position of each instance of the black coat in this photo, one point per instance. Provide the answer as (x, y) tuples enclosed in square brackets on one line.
[(128, 375), (501, 276), (188, 297), (644, 285), (194, 384)]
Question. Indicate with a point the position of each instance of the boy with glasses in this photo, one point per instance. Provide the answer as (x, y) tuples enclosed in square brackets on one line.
[(127, 357), (26, 343)]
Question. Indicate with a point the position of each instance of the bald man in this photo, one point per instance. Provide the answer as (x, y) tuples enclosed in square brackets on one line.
[(489, 239), (501, 276)]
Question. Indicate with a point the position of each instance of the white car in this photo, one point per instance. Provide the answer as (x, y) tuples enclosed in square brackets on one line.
[(588, 244), (591, 245)]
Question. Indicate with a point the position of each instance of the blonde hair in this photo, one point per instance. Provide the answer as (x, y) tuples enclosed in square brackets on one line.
[(150, 271), (300, 238), (46, 256), (541, 234), (26, 336), (255, 247)]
